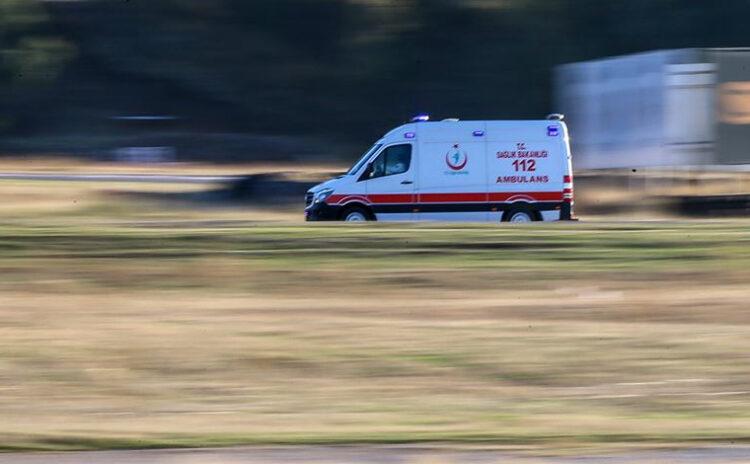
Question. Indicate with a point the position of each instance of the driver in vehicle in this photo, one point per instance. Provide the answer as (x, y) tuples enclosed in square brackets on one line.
[(396, 168)]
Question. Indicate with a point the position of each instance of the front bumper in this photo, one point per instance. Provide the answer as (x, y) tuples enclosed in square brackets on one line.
[(322, 212)]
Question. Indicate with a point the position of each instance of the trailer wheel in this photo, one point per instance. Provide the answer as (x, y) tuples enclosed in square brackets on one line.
[(355, 214), (520, 214)]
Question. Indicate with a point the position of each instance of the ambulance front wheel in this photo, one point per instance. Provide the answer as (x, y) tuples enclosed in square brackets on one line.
[(355, 214), (521, 214)]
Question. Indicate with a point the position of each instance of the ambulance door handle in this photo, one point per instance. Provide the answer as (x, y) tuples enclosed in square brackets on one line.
[(407, 182)]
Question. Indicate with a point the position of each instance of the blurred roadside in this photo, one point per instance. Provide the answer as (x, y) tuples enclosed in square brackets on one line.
[(652, 193)]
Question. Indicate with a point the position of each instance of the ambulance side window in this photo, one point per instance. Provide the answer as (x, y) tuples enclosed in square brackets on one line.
[(395, 159)]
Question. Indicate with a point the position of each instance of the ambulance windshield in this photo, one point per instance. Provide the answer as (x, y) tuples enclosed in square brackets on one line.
[(364, 159)]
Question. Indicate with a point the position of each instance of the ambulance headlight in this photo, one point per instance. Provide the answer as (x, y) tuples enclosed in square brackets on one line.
[(323, 195)]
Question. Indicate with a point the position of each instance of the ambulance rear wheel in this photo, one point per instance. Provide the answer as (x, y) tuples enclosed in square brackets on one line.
[(355, 214), (520, 215)]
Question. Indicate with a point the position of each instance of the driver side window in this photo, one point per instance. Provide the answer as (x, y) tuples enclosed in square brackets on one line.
[(395, 159)]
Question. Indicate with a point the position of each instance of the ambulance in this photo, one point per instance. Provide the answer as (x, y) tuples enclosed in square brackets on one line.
[(452, 170)]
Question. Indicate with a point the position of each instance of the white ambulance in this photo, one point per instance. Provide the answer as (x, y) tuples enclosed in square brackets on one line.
[(512, 171)]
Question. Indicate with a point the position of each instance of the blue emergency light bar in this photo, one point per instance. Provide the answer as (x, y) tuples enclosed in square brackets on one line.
[(420, 118)]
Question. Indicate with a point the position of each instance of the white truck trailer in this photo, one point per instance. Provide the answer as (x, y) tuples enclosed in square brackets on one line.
[(687, 107)]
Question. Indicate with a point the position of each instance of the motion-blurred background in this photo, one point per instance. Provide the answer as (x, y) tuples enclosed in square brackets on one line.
[(268, 79), (312, 82), (158, 287)]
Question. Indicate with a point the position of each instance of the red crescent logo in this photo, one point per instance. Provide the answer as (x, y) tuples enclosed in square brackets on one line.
[(456, 167)]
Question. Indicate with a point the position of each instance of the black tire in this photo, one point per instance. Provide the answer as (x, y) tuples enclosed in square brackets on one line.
[(521, 213), (356, 214)]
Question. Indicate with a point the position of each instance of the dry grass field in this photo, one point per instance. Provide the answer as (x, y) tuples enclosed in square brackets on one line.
[(137, 323)]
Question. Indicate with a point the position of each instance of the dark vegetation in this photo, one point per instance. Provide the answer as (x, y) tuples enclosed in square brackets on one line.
[(292, 77)]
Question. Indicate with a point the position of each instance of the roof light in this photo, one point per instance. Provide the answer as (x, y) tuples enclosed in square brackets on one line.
[(553, 131), (555, 117), (478, 133), (410, 135), (421, 118)]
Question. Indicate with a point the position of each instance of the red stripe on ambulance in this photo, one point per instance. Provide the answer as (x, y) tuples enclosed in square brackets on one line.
[(453, 198), (437, 198)]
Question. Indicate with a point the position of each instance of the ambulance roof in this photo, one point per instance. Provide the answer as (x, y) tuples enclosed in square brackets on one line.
[(454, 131)]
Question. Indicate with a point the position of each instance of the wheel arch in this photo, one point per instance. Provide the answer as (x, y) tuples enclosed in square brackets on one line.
[(348, 207), (521, 205)]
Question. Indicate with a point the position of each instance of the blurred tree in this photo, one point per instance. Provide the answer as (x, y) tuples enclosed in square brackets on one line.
[(339, 68), (30, 55)]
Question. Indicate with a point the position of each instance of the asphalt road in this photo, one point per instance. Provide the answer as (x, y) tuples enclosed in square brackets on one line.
[(157, 178), (373, 455)]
